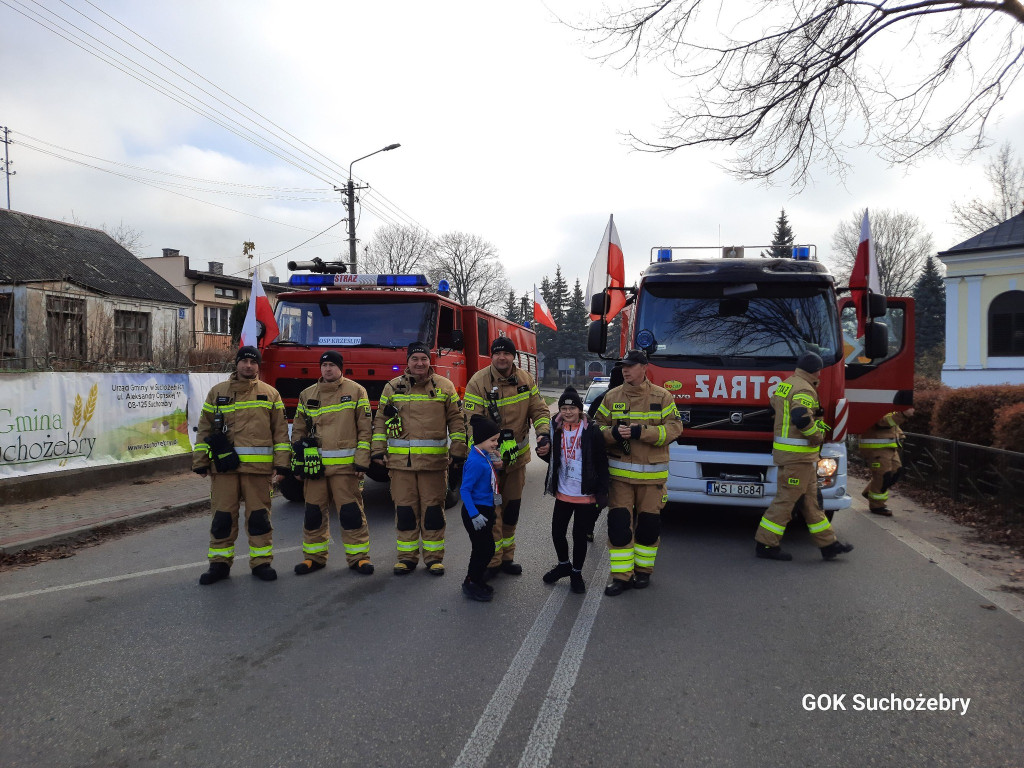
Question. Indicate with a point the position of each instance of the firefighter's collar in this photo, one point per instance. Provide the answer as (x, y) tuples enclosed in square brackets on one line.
[(512, 378)]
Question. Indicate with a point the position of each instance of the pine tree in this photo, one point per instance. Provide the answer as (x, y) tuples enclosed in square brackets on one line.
[(782, 241), (511, 310), (559, 301), (929, 311), (576, 317)]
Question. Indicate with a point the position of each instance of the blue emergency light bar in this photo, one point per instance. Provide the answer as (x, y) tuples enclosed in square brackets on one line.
[(359, 281), (801, 252), (664, 254)]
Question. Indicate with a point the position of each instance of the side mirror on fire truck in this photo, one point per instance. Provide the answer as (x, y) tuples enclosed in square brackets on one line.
[(597, 337), (600, 304), (877, 304), (876, 340)]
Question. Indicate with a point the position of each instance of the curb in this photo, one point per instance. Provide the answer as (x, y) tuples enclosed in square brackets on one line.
[(72, 533)]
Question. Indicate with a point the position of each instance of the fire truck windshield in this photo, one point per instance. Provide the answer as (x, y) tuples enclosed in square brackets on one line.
[(708, 323), (356, 322)]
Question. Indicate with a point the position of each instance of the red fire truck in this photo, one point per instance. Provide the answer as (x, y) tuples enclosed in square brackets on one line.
[(371, 319), (721, 331)]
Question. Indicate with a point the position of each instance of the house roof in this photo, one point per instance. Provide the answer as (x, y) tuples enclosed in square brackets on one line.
[(34, 249), (1009, 234)]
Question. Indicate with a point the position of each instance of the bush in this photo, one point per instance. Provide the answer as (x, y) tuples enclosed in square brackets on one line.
[(1008, 432), (968, 415), (924, 406)]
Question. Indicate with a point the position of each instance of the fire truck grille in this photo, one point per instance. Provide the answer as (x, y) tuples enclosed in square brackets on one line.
[(737, 419)]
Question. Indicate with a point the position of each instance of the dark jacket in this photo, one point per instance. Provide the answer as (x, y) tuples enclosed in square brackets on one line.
[(595, 461)]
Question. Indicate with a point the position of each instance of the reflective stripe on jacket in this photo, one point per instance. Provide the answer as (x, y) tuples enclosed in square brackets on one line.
[(431, 416), (794, 402), (885, 433), (340, 411), (255, 421)]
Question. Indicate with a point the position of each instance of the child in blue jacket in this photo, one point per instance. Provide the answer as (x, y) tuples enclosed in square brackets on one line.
[(479, 496)]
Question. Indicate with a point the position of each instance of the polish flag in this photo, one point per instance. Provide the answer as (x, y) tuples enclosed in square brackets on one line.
[(608, 271), (864, 277), (259, 314), (541, 313)]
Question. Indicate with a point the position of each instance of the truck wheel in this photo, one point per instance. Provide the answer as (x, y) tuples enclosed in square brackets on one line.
[(291, 489)]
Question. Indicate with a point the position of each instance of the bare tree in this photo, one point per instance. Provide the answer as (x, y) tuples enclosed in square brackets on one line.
[(902, 247), (470, 265), (125, 235), (790, 84), (397, 249), (1005, 172)]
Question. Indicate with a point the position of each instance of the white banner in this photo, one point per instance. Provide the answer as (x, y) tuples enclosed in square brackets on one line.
[(53, 421)]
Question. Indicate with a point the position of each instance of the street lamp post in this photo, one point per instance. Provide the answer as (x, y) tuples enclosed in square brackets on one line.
[(350, 191)]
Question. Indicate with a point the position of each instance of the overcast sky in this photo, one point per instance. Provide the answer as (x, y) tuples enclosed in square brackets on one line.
[(509, 129)]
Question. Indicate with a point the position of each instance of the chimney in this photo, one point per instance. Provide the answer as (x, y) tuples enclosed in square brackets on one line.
[(171, 252), (274, 279), (217, 267)]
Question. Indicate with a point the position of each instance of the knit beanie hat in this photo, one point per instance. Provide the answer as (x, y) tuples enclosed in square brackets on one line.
[(503, 344), (331, 356), (415, 348), (483, 429), (570, 397), (809, 362), (248, 353)]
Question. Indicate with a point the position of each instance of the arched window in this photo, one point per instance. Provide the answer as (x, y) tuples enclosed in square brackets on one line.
[(1006, 325)]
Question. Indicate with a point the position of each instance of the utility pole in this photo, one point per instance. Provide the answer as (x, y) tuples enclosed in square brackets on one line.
[(350, 201), (7, 163)]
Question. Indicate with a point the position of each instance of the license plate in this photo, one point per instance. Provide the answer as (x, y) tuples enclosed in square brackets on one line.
[(750, 490)]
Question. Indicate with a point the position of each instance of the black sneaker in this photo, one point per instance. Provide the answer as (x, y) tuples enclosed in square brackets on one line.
[(218, 570), (476, 592), (576, 583), (617, 587), (264, 572), (641, 580), (560, 571), (511, 568), (771, 553), (834, 549)]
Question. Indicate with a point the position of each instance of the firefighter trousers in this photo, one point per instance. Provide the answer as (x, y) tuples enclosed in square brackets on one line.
[(419, 513), (506, 515), (797, 490), (346, 494), (881, 463), (634, 527), (228, 490)]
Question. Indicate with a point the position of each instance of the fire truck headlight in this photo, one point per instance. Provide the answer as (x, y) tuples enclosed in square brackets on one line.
[(827, 468)]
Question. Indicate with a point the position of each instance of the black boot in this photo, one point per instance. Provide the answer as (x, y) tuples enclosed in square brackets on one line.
[(834, 549), (576, 582), (771, 553), (617, 587), (264, 572), (560, 571), (511, 568), (308, 566), (218, 570), (641, 580), (478, 592)]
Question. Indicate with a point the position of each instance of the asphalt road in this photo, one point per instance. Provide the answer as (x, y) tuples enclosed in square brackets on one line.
[(116, 657)]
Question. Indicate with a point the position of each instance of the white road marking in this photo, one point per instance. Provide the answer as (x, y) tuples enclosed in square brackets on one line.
[(984, 586), (480, 743), (548, 724), (123, 577)]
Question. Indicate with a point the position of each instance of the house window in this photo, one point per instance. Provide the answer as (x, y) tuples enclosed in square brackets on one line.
[(216, 319), (65, 326), (226, 293), (1006, 325), (132, 338), (6, 325)]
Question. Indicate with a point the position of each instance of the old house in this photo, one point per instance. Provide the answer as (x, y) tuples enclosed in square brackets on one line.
[(71, 298)]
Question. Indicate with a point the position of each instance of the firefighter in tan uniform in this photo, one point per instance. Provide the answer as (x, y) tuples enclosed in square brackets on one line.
[(418, 413), (241, 440), (639, 421), (799, 433), (509, 397), (880, 449), (331, 451)]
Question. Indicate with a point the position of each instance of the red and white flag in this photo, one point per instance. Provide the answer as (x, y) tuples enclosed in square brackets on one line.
[(259, 314), (864, 277), (608, 271), (541, 313)]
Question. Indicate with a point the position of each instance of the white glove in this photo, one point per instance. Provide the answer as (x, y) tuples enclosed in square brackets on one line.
[(479, 522)]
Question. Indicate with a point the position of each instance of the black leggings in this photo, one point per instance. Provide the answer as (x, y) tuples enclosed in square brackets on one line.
[(582, 524), (482, 541)]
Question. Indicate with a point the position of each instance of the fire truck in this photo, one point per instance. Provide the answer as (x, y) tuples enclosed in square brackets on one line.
[(370, 320), (721, 331)]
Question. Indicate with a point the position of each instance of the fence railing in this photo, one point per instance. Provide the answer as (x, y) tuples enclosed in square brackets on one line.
[(964, 472)]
